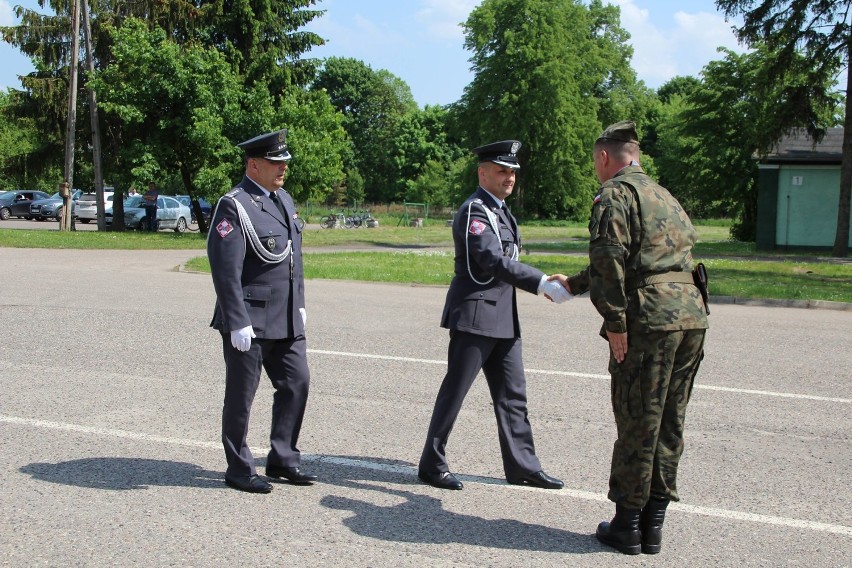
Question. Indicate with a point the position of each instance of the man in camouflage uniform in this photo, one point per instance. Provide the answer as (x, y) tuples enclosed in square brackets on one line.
[(640, 280)]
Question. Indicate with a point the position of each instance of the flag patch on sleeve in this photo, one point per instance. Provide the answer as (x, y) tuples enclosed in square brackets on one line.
[(476, 227), (224, 227), (597, 199)]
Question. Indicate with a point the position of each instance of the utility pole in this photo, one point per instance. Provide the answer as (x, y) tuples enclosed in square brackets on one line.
[(96, 133), (71, 123)]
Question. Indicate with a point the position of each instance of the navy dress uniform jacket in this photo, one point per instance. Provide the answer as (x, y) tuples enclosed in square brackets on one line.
[(482, 315), (250, 291), (267, 296), (486, 309)]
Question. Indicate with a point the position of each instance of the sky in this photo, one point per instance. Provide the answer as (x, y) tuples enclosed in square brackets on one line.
[(421, 41)]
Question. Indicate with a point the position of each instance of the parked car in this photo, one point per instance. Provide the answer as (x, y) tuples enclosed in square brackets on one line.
[(171, 214), (16, 203), (206, 208), (87, 206), (51, 208)]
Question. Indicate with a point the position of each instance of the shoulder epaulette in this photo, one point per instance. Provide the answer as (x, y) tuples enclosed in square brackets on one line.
[(233, 192)]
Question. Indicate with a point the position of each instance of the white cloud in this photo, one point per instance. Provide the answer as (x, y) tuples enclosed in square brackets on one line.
[(700, 35), (442, 18), (683, 47), (7, 16), (358, 37)]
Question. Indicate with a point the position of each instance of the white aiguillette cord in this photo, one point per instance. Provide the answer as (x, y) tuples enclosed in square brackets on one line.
[(251, 235)]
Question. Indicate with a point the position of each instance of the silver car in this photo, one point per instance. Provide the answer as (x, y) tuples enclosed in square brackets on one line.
[(51, 208), (171, 214), (87, 207)]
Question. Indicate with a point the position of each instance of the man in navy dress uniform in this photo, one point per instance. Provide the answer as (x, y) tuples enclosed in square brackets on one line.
[(255, 252), (482, 315)]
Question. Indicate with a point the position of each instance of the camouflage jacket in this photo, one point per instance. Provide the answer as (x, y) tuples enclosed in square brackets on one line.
[(639, 232)]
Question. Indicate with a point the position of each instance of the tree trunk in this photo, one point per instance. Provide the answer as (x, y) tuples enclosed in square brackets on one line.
[(71, 120), (841, 240), (96, 133), (190, 191)]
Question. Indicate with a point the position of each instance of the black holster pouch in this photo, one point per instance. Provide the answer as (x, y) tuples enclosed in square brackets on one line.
[(699, 277)]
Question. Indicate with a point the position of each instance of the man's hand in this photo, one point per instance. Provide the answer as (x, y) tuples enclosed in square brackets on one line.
[(241, 338), (618, 345), (562, 279), (554, 291)]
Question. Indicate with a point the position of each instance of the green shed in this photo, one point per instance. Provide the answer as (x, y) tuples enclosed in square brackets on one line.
[(798, 192)]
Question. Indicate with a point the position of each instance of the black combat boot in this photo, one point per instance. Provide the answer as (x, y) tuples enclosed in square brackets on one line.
[(651, 524), (622, 532)]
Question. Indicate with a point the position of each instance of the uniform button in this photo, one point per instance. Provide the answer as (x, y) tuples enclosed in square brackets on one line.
[(481, 294)]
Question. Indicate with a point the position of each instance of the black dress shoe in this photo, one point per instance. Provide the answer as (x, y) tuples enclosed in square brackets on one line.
[(537, 479), (250, 483), (291, 474), (440, 479)]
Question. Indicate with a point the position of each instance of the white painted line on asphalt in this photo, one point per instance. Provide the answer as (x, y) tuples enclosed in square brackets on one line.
[(410, 470), (587, 376)]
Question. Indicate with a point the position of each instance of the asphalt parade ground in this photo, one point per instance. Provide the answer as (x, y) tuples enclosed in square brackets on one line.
[(110, 454)]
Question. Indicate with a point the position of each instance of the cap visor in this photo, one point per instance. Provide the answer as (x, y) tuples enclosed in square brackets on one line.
[(280, 158), (507, 164)]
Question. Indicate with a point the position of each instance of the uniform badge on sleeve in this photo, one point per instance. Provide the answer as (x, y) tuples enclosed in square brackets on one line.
[(476, 227), (224, 228), (597, 199)]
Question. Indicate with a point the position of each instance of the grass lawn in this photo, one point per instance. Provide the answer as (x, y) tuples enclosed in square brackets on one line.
[(736, 268), (728, 277)]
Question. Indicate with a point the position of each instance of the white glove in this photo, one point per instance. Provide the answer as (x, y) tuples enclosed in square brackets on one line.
[(241, 338), (555, 291), (304, 316)]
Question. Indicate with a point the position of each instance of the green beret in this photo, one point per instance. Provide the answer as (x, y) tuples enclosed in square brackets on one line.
[(624, 131)]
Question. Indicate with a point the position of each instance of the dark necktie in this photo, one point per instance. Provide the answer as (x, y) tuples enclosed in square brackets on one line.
[(274, 197), (513, 225)]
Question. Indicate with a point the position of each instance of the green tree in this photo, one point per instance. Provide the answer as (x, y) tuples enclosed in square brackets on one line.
[(822, 31), (423, 148), (546, 73), (708, 138), (375, 104), (681, 85), (19, 138), (182, 108), (354, 191), (620, 95), (177, 107), (318, 143), (261, 40), (44, 101), (430, 186)]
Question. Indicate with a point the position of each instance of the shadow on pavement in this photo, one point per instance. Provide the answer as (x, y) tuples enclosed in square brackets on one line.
[(124, 473), (422, 518)]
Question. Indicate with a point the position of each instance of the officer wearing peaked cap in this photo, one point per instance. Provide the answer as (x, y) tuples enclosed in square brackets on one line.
[(640, 280), (481, 313), (255, 252)]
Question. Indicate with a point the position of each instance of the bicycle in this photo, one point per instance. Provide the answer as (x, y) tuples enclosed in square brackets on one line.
[(340, 220)]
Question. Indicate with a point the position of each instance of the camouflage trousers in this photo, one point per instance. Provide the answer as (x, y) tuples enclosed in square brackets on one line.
[(650, 391)]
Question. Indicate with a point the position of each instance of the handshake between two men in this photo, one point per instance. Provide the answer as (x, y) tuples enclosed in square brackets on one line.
[(555, 288)]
